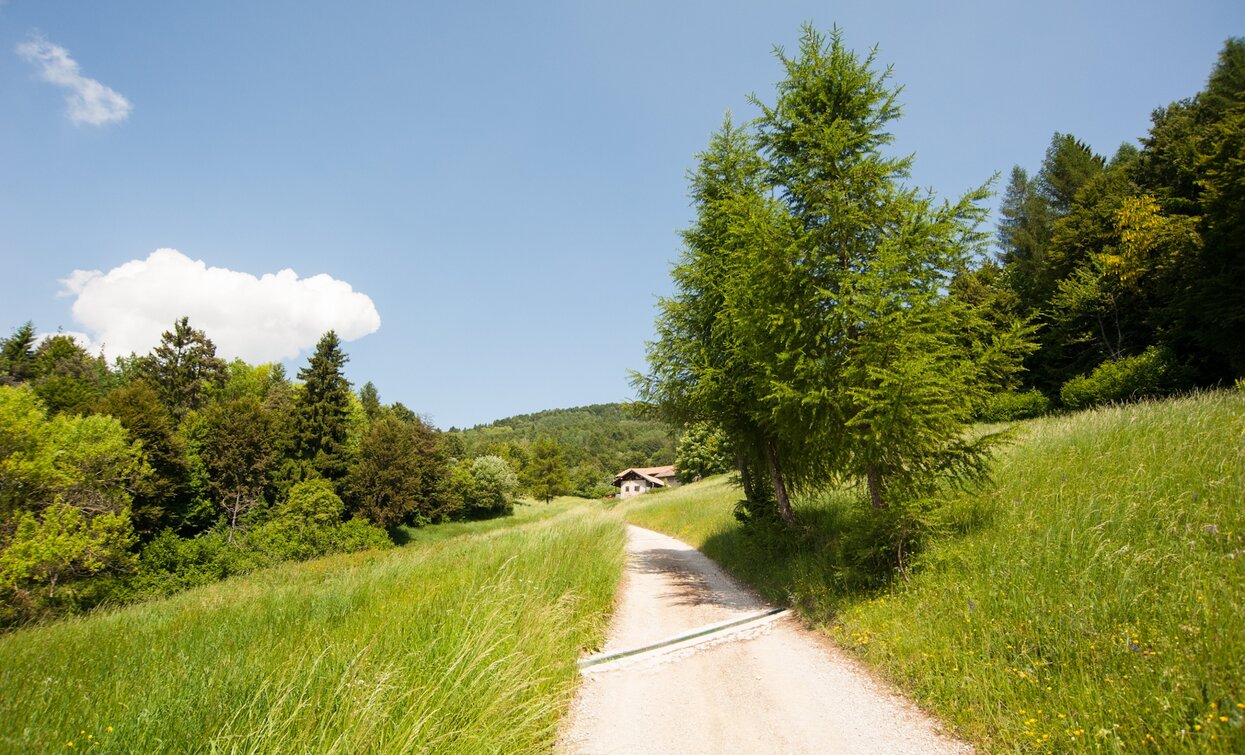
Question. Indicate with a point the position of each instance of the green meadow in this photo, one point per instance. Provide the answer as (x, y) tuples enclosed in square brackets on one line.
[(1093, 601), (462, 642)]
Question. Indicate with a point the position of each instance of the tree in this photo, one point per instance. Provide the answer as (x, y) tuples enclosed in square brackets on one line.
[(702, 451), (369, 397), (66, 377), (822, 319), (397, 475), (17, 353), (493, 487), (238, 455), (162, 500), (86, 462), (699, 369), (183, 368), (545, 475), (322, 410), (61, 544)]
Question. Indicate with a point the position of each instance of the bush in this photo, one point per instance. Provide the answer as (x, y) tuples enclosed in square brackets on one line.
[(1012, 406), (1150, 374), (308, 524)]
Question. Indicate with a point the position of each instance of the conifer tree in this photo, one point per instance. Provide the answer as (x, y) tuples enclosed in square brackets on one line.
[(183, 368), (816, 328), (322, 410)]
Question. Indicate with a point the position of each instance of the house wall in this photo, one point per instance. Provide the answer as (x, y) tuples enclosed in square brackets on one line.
[(631, 488)]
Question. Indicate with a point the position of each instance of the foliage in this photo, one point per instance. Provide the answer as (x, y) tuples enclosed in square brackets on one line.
[(183, 368), (1144, 251), (238, 455), (397, 476), (494, 486), (1010, 406), (309, 524), (86, 462), (162, 499), (67, 378), (17, 355), (544, 475), (816, 329), (1089, 602), (1150, 374), (702, 451), (323, 409), (55, 548)]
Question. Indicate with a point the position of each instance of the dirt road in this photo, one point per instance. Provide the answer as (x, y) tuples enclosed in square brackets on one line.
[(763, 685)]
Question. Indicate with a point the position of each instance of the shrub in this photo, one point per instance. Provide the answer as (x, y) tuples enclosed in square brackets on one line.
[(1152, 373), (1011, 406), (308, 524)]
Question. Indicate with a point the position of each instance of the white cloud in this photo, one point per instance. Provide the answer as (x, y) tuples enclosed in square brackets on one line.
[(89, 101), (263, 319)]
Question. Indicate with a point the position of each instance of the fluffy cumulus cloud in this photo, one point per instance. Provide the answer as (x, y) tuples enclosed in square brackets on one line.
[(264, 319), (89, 101)]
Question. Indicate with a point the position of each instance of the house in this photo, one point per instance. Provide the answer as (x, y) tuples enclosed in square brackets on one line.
[(643, 479)]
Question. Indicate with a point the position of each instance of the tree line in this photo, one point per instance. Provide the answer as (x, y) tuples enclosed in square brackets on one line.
[(176, 468), (839, 328), (1133, 267)]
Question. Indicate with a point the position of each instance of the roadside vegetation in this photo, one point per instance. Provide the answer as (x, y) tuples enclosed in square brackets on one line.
[(1093, 600), (466, 643)]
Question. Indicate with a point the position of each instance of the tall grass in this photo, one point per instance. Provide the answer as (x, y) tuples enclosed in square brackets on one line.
[(467, 644), (1093, 601)]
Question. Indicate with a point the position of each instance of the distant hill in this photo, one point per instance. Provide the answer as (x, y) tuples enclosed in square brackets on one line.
[(599, 440)]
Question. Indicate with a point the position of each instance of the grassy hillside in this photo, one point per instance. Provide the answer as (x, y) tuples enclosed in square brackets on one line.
[(1095, 600), (464, 643)]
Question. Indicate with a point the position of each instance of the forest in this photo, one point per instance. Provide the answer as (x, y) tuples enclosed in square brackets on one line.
[(178, 468)]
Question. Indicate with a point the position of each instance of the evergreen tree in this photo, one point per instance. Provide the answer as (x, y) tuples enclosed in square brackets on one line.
[(545, 475), (17, 355), (369, 397), (322, 410), (825, 314), (183, 368), (397, 475)]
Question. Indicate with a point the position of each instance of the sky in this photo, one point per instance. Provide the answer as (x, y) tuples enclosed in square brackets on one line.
[(483, 199)]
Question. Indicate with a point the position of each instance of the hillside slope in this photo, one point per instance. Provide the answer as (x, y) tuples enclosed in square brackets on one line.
[(463, 643), (1093, 600)]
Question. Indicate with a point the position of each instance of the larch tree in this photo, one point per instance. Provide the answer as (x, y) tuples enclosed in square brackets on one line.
[(812, 320)]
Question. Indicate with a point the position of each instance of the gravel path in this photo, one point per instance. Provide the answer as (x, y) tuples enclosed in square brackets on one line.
[(764, 686)]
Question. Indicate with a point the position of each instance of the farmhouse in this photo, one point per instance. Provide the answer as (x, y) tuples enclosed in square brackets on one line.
[(643, 479)]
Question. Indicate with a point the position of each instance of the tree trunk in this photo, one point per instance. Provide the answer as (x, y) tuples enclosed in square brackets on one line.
[(780, 487), (875, 487), (745, 477)]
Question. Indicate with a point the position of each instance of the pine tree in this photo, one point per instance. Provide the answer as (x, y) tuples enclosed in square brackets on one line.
[(322, 410)]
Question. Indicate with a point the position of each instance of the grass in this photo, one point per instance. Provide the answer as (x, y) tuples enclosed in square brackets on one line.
[(463, 644), (1093, 601)]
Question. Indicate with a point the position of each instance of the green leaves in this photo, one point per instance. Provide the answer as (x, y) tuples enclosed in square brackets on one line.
[(815, 329)]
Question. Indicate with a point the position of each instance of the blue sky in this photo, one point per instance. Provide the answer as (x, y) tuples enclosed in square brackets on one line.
[(486, 198)]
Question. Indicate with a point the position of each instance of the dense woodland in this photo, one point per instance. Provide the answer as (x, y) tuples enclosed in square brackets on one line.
[(839, 328), (1132, 267), (177, 468)]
